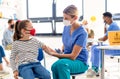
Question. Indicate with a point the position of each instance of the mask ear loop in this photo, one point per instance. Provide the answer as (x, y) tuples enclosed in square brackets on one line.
[(74, 18)]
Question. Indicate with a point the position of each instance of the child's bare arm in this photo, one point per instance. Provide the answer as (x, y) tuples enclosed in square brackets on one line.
[(48, 50)]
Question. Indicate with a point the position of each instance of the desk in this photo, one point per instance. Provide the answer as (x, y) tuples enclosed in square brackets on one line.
[(103, 48)]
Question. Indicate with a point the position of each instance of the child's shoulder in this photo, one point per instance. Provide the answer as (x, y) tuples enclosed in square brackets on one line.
[(35, 39), (15, 42)]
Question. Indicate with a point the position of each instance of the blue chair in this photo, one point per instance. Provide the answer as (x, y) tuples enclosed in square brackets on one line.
[(41, 56)]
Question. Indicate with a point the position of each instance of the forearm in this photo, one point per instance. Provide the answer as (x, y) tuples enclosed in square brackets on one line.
[(46, 49), (103, 38), (105, 28), (69, 56)]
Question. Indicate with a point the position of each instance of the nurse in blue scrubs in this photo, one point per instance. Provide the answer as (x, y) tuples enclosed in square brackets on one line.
[(75, 54)]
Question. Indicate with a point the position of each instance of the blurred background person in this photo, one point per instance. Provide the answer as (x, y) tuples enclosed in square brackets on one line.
[(89, 30), (95, 52), (90, 33), (8, 35), (6, 43)]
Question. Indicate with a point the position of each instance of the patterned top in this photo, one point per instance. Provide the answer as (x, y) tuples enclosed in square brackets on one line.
[(24, 52)]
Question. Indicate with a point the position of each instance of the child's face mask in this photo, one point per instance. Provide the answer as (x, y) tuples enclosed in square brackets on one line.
[(32, 32)]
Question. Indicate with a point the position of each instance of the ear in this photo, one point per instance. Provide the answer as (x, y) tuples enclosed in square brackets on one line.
[(75, 17), (23, 31)]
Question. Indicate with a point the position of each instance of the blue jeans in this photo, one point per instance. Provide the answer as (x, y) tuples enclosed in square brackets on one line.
[(96, 55), (62, 68), (33, 70), (2, 53)]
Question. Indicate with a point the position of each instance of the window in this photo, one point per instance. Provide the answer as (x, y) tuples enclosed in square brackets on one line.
[(59, 27), (39, 8), (43, 28), (61, 4), (47, 15), (112, 6)]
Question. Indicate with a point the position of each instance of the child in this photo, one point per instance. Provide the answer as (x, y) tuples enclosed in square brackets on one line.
[(24, 53), (2, 55), (90, 33)]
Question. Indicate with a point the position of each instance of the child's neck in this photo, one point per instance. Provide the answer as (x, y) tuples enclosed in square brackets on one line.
[(25, 38)]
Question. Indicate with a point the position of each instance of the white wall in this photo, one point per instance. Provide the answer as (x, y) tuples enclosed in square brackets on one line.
[(95, 8), (21, 10)]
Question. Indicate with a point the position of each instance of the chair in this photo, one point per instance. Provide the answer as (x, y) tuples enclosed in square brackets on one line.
[(76, 74), (41, 56)]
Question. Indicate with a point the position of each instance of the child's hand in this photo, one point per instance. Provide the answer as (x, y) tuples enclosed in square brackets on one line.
[(15, 74)]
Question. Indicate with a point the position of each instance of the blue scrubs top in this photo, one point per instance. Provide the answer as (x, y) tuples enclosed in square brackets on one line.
[(112, 27), (78, 37)]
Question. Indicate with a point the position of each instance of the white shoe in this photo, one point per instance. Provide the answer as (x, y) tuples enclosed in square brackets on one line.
[(91, 73)]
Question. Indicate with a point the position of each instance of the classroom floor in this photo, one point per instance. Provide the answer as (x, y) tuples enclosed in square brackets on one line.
[(111, 65)]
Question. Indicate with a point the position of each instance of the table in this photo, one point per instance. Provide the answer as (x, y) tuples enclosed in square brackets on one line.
[(103, 48), (95, 40)]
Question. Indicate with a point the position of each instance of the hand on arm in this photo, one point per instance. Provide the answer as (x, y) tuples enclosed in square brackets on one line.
[(48, 50), (72, 55)]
